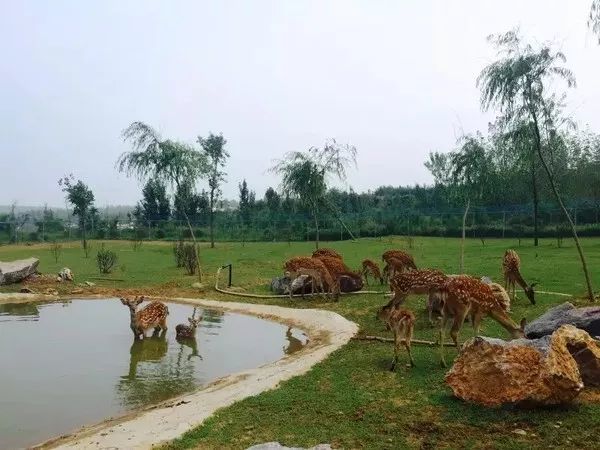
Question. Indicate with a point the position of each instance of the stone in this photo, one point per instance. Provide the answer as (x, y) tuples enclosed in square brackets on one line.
[(65, 274), (348, 284), (278, 446), (15, 271), (89, 283), (77, 291), (586, 318), (198, 285), (280, 285), (533, 372)]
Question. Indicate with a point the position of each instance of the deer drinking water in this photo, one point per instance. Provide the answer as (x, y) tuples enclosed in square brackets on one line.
[(154, 315)]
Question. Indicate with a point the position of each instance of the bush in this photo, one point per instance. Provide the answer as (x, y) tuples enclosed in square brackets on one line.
[(190, 258), (106, 260), (178, 252), (56, 250), (160, 234)]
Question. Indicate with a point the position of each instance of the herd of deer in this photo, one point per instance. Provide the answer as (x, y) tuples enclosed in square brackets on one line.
[(154, 316), (450, 296)]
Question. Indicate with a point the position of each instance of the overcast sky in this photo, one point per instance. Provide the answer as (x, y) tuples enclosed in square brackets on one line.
[(394, 78)]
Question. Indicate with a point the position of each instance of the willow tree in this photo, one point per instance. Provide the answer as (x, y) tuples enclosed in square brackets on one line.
[(171, 162), (516, 85), (305, 175)]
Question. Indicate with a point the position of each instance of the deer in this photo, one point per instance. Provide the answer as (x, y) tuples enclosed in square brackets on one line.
[(305, 263), (371, 267), (188, 331), (396, 260), (463, 295), (315, 279), (326, 252), (154, 315), (338, 269), (402, 323), (511, 264)]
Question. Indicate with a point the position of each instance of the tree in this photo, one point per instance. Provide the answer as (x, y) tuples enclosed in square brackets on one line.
[(155, 203), (304, 174), (216, 155), (82, 199), (245, 207), (515, 84), (594, 18), (169, 161)]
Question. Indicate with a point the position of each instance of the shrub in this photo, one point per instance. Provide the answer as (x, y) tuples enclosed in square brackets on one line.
[(106, 260), (178, 252), (56, 250), (190, 258), (160, 234)]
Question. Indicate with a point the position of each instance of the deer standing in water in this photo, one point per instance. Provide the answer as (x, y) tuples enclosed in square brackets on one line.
[(511, 265), (402, 323), (371, 267), (188, 331), (463, 295), (154, 315)]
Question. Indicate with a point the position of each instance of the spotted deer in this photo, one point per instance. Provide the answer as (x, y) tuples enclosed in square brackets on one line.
[(463, 295), (293, 265), (154, 315), (315, 279), (326, 252), (511, 265), (396, 261), (370, 267), (402, 323), (338, 269), (188, 331)]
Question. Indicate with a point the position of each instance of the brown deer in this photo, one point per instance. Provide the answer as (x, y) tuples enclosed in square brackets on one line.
[(402, 323), (371, 267), (463, 295), (315, 279), (301, 262), (154, 315), (396, 261), (188, 331), (338, 269), (511, 264), (326, 252), (420, 281)]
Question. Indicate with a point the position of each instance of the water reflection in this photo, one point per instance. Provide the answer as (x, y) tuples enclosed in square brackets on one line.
[(191, 343), (294, 344), (153, 348), (25, 311)]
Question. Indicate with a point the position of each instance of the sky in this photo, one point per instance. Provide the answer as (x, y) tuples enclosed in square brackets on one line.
[(396, 79)]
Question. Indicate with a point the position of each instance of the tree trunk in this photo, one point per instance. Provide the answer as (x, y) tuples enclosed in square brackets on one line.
[(211, 218), (316, 217), (462, 241), (535, 201), (538, 141), (198, 269), (84, 243)]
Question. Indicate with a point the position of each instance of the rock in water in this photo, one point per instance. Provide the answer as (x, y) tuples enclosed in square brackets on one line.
[(587, 318), (15, 271), (546, 371)]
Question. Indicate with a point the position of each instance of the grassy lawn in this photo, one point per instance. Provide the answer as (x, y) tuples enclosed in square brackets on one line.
[(351, 400)]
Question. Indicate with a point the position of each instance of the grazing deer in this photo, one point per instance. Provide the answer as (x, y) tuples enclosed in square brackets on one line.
[(396, 261), (188, 331), (315, 279), (326, 252), (306, 263), (511, 264), (462, 295), (338, 269), (371, 267), (402, 323), (420, 281), (154, 315)]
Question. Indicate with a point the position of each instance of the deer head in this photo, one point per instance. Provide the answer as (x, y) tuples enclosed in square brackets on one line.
[(194, 322), (530, 293), (132, 303)]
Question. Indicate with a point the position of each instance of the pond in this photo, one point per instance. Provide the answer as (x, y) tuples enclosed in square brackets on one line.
[(73, 363)]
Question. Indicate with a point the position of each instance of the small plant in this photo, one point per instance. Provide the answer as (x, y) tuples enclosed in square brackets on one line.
[(178, 249), (190, 258), (56, 250), (136, 244), (87, 249), (106, 260)]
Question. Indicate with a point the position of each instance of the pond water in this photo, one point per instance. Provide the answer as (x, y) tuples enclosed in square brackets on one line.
[(73, 363)]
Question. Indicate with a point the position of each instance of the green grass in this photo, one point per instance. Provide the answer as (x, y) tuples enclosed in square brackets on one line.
[(351, 400)]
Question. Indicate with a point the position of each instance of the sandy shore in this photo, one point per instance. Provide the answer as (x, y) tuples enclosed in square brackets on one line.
[(327, 331)]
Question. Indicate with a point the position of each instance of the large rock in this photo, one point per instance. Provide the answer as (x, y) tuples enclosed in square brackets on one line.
[(278, 446), (281, 285), (546, 371), (15, 271), (348, 284), (587, 318)]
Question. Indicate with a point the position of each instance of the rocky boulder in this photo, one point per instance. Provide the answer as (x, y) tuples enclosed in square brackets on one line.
[(546, 371), (348, 284), (281, 285), (587, 318), (15, 271)]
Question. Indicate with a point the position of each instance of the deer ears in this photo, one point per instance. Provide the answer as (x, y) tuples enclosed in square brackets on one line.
[(124, 301), (139, 300)]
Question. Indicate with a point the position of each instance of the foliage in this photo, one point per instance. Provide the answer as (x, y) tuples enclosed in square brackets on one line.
[(178, 252), (247, 202), (594, 18), (190, 258), (106, 259), (81, 198), (155, 204), (56, 250)]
